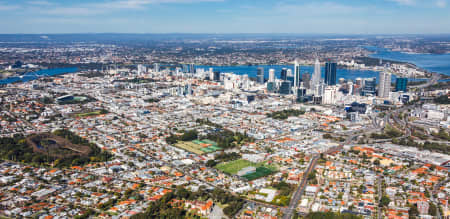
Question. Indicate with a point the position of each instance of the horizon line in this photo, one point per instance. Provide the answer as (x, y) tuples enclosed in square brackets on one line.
[(191, 33)]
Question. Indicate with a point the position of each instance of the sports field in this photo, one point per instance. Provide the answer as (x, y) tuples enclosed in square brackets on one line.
[(199, 147), (260, 172), (94, 113), (190, 146), (233, 167)]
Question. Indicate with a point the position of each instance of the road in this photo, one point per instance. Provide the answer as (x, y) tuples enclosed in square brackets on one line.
[(300, 189), (434, 78), (434, 199), (380, 194)]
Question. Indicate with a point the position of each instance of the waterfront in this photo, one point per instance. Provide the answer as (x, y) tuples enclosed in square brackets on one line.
[(432, 62), (351, 74), (37, 74)]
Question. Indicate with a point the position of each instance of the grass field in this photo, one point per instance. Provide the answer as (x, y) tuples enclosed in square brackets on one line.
[(93, 113), (233, 167), (189, 146), (260, 172), (199, 147)]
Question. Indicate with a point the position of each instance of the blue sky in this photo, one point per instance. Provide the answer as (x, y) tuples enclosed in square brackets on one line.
[(225, 16)]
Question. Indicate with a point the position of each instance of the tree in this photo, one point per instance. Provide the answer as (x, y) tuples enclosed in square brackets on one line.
[(432, 210), (377, 162), (413, 212), (384, 201)]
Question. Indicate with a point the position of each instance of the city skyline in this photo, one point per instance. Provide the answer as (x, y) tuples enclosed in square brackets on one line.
[(226, 16)]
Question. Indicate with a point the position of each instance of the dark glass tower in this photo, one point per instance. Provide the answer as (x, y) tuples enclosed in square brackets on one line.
[(260, 75), (217, 76), (370, 85), (285, 87), (284, 74), (330, 73), (401, 84)]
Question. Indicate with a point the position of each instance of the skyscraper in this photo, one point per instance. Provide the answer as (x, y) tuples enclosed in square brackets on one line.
[(369, 86), (283, 74), (192, 68), (316, 77), (385, 84), (141, 69), (306, 78), (285, 87), (271, 75), (156, 67), (330, 73), (216, 76), (260, 75), (401, 84), (297, 74)]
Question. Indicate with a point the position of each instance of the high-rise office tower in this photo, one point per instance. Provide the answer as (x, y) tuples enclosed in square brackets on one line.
[(285, 87), (290, 77), (289, 73), (192, 68), (260, 75), (306, 78), (316, 77), (283, 74), (141, 69), (369, 86), (350, 87), (185, 68), (330, 73), (329, 95), (216, 76), (385, 84), (297, 74), (156, 67), (271, 75), (401, 84)]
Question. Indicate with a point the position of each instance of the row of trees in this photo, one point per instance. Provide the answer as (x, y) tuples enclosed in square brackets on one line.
[(331, 215), (224, 138), (389, 132), (442, 99), (163, 208), (442, 134), (223, 157), (228, 139), (189, 135), (284, 114), (432, 146)]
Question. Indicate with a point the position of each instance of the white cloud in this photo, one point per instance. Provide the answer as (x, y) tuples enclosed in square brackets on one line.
[(405, 2), (40, 3), (111, 5), (437, 3), (441, 3)]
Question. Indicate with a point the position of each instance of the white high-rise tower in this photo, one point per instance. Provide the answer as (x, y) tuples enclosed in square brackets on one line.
[(297, 74), (385, 84), (315, 80), (271, 75)]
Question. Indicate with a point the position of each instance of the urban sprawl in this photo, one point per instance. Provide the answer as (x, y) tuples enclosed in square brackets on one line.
[(157, 135)]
